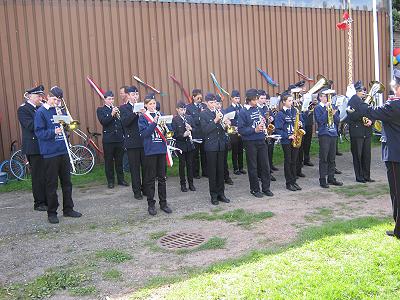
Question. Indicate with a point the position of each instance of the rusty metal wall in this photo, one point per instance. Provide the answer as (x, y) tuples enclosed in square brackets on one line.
[(61, 42)]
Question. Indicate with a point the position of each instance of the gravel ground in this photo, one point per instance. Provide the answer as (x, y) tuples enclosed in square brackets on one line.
[(113, 219)]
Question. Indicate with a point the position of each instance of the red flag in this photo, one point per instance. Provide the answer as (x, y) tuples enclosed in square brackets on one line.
[(346, 22)]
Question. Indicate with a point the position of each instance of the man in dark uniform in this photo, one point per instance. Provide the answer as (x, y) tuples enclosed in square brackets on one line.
[(30, 145), (270, 141), (389, 114), (214, 146), (308, 117), (193, 110), (133, 142), (183, 136), (113, 138), (360, 137), (236, 140), (251, 127)]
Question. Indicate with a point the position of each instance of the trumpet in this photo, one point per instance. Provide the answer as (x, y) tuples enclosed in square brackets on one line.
[(117, 114), (73, 124), (270, 127)]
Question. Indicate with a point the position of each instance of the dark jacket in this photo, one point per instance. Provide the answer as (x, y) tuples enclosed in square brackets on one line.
[(194, 112), (249, 119), (321, 118), (356, 125), (214, 134), (26, 117), (179, 128), (130, 124), (112, 126), (152, 141), (284, 124)]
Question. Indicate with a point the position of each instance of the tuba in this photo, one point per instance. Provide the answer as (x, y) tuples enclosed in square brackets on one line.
[(297, 131), (375, 87), (321, 82)]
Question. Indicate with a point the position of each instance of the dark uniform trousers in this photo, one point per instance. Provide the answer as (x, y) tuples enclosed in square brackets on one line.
[(226, 168), (258, 165), (136, 162), (290, 153), (393, 175), (113, 155), (237, 152), (300, 158), (186, 162), (155, 168), (199, 155), (327, 154), (306, 144), (58, 167), (215, 170), (271, 146), (361, 151), (36, 163)]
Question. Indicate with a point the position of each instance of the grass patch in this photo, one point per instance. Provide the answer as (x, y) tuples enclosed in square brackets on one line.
[(238, 216), (112, 275), (83, 291), (367, 190), (157, 235), (321, 214), (113, 255), (339, 260), (213, 243)]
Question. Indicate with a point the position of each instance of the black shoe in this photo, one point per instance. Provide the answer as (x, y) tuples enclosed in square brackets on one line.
[(138, 196), (301, 175), (110, 185), (257, 194), (361, 180), (223, 199), (291, 187), (152, 211), (273, 168), (297, 187), (53, 219), (335, 182), (191, 187), (322, 183), (229, 181), (308, 163), (197, 177), (72, 214), (40, 207), (268, 193), (166, 209), (339, 153), (184, 188), (390, 232), (214, 201), (237, 172), (369, 180), (337, 171), (272, 178), (242, 171), (123, 183)]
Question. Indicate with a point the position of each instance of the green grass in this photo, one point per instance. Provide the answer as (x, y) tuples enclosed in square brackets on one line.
[(213, 243), (113, 255), (83, 291), (238, 216), (321, 214), (157, 235), (112, 275), (369, 191), (339, 260)]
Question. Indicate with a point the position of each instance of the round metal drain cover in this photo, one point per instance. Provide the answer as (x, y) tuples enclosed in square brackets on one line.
[(181, 240)]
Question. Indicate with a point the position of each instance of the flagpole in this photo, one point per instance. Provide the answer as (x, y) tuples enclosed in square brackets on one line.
[(350, 47)]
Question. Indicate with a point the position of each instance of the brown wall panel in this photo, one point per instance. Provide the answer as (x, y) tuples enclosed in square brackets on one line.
[(61, 42)]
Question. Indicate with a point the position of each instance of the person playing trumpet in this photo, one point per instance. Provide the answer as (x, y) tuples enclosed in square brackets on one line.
[(113, 138)]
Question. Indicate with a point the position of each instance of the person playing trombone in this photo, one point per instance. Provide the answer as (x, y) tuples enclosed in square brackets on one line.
[(54, 148)]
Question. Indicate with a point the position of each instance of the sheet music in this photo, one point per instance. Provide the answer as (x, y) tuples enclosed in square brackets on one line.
[(167, 119), (274, 101), (307, 98), (231, 115), (61, 119), (138, 107)]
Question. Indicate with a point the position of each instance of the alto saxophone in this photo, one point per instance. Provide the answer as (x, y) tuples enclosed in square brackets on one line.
[(297, 131)]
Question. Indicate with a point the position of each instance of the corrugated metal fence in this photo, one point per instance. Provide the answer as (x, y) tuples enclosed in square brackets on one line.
[(61, 42)]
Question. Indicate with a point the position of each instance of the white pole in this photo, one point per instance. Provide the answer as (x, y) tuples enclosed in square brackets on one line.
[(391, 37), (376, 46)]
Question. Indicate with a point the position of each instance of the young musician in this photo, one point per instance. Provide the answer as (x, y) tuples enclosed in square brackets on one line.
[(113, 137), (133, 141), (193, 110), (360, 137), (235, 138), (326, 117), (183, 136), (271, 142), (214, 146), (53, 148), (30, 145), (284, 125), (155, 149), (308, 117), (251, 125)]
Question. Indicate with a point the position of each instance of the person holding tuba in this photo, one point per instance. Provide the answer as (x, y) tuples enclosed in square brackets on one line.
[(54, 148), (113, 138), (327, 118), (360, 130), (287, 124)]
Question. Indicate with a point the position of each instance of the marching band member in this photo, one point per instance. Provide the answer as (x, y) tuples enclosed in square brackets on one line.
[(284, 125), (113, 137), (214, 145), (123, 95), (155, 149), (133, 142), (235, 138), (193, 110), (327, 117), (360, 137), (308, 117), (183, 135), (389, 114), (53, 148), (271, 142), (30, 145), (251, 126)]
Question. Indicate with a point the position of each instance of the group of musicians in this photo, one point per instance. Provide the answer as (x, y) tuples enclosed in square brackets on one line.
[(204, 135)]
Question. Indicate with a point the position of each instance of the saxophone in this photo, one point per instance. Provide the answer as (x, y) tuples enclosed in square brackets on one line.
[(297, 131)]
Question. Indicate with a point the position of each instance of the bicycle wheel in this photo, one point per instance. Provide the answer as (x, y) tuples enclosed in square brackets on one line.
[(19, 166), (83, 159), (5, 167)]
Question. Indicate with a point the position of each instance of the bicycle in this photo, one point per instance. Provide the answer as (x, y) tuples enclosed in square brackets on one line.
[(88, 141), (17, 167)]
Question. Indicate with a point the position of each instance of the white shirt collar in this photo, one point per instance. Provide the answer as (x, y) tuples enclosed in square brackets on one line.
[(46, 106), (246, 106), (322, 104), (29, 101), (285, 108)]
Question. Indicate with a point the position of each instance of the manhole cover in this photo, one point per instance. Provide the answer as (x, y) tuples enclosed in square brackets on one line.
[(181, 240)]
